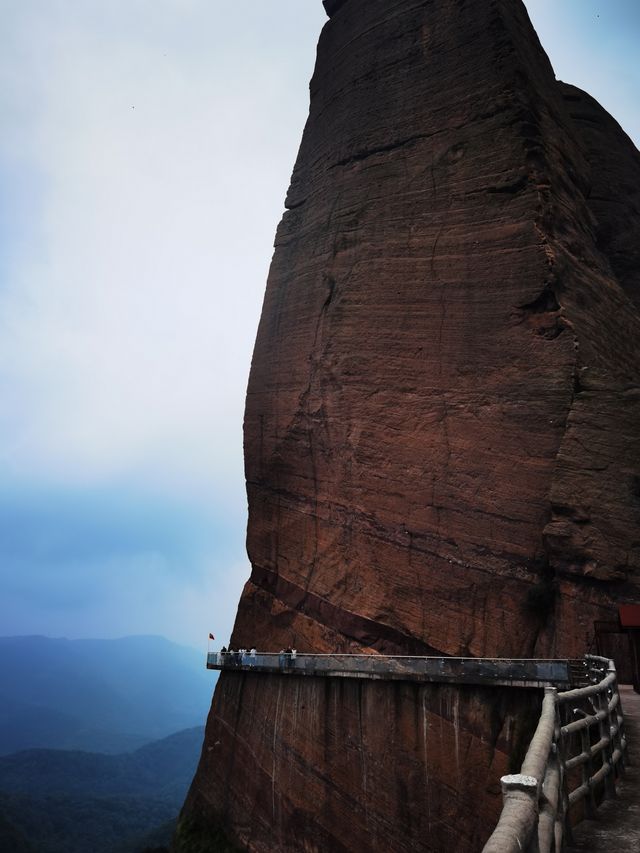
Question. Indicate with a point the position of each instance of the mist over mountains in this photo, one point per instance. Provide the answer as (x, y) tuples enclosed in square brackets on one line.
[(106, 696), (61, 801), (99, 740)]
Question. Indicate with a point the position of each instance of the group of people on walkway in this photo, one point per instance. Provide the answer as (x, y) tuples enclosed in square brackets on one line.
[(244, 657), (287, 656), (241, 657)]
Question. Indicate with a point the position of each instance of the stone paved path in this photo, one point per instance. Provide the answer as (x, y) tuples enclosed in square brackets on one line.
[(617, 826)]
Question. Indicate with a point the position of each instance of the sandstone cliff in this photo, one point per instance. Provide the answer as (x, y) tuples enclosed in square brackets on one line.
[(442, 412), (293, 763), (441, 434)]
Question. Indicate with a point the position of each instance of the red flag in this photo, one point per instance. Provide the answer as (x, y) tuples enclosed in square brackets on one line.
[(211, 637)]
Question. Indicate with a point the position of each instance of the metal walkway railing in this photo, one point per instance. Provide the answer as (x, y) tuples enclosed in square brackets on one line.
[(499, 671)]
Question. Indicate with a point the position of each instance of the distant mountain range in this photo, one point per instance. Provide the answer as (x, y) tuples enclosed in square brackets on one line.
[(99, 741), (105, 696), (160, 770), (54, 801)]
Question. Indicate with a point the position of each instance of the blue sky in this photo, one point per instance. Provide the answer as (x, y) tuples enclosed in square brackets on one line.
[(146, 151)]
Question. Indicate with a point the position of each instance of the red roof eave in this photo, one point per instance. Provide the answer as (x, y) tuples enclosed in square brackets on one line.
[(629, 615)]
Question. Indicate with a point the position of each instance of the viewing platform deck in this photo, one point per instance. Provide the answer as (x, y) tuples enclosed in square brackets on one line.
[(519, 672)]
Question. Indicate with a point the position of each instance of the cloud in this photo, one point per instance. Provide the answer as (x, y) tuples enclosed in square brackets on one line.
[(146, 150), (113, 559), (147, 155), (128, 320)]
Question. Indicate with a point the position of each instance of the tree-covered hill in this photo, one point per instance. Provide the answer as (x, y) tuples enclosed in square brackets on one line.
[(59, 824), (161, 770), (55, 801), (11, 839)]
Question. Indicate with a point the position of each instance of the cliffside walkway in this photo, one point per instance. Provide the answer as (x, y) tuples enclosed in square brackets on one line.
[(576, 758), (617, 824), (495, 671)]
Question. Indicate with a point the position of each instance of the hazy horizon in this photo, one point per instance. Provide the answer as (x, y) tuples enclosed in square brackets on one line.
[(115, 639)]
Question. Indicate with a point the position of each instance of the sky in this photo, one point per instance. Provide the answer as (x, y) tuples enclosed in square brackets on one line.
[(145, 154)]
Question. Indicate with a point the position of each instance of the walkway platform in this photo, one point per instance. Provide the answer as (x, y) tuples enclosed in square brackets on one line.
[(499, 671), (616, 829)]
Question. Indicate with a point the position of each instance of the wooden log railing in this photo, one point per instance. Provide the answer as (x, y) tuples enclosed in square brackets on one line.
[(580, 738)]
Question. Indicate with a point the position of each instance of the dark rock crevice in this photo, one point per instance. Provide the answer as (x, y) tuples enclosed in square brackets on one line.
[(367, 633), (359, 156)]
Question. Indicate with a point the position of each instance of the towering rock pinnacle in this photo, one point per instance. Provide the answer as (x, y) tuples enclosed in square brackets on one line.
[(442, 434), (442, 416)]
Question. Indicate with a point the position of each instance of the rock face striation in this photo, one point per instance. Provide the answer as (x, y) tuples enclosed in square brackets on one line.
[(442, 435)]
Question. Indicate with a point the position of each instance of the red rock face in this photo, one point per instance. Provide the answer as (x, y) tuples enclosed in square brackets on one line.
[(443, 405), (614, 191), (592, 538), (442, 424), (295, 763)]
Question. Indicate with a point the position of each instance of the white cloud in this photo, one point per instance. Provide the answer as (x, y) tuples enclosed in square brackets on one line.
[(145, 156), (129, 326)]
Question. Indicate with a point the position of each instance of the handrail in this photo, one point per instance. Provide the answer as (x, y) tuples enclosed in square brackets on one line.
[(377, 656), (537, 800), (521, 791)]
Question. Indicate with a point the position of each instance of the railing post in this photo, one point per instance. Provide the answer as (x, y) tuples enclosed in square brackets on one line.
[(607, 752), (563, 832), (517, 828), (550, 809), (587, 771), (619, 740)]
